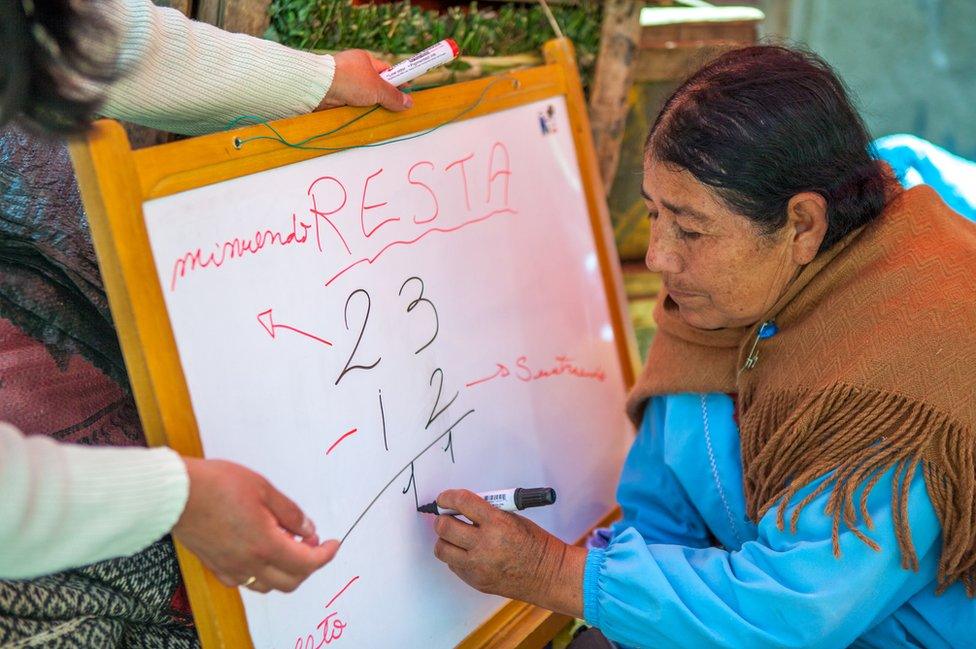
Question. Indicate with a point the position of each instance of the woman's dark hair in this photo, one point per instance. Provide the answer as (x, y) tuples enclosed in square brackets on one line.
[(764, 123), (58, 56)]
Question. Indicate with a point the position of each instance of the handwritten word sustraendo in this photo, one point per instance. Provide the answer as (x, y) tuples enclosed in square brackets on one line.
[(355, 223), (525, 373)]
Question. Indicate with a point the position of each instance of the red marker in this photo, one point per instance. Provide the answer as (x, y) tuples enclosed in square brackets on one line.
[(422, 62)]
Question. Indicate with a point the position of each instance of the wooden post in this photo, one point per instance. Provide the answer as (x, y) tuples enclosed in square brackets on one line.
[(241, 16), (182, 6), (614, 75)]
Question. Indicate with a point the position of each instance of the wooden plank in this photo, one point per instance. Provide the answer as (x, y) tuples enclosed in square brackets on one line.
[(165, 169), (182, 6), (239, 16), (701, 33), (612, 80), (209, 11), (675, 63)]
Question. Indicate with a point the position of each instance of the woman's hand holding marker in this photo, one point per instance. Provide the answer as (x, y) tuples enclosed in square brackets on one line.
[(361, 80), (506, 554), (357, 83)]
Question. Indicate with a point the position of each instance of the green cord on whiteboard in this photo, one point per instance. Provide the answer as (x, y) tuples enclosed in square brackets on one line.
[(239, 142)]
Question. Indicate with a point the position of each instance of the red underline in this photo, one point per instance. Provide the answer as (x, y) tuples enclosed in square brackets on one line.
[(370, 260), (336, 443), (332, 601)]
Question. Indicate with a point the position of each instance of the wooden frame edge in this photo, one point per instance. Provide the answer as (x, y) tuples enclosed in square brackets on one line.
[(163, 167), (114, 209)]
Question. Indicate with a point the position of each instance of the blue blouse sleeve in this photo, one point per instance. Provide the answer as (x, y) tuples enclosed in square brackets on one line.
[(652, 500), (781, 590)]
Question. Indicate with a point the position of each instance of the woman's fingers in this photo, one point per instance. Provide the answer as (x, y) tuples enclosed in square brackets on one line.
[(463, 535), (289, 515), (469, 504), (272, 541), (357, 83), (296, 558), (275, 579), (227, 580), (379, 65), (450, 554)]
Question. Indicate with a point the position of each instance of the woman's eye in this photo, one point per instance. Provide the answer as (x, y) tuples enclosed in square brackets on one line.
[(652, 216), (688, 234)]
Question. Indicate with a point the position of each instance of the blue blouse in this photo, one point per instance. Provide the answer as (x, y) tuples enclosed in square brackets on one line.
[(685, 567)]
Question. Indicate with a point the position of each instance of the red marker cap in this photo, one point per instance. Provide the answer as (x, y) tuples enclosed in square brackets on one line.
[(454, 47)]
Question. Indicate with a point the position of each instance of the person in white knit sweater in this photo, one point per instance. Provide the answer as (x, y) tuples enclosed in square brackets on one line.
[(66, 505)]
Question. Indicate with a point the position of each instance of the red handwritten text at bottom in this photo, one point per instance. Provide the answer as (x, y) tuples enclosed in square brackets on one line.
[(329, 629)]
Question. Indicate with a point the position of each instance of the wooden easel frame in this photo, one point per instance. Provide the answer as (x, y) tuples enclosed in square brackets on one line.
[(115, 181)]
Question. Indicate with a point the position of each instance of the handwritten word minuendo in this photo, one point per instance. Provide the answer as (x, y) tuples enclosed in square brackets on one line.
[(355, 217), (237, 248), (524, 372), (329, 628)]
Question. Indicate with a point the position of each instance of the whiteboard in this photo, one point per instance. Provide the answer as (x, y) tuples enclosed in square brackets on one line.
[(371, 327)]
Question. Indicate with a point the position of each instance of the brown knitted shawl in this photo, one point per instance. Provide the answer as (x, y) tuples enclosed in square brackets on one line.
[(873, 368)]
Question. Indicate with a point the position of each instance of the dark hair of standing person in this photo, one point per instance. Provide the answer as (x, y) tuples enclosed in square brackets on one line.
[(58, 57), (763, 123)]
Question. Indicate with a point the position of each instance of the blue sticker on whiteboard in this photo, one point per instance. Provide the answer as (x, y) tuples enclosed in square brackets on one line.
[(547, 120)]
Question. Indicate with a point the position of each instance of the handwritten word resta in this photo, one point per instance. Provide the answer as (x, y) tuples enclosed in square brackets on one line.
[(357, 219)]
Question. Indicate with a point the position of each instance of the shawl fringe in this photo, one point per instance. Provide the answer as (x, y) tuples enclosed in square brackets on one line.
[(881, 431)]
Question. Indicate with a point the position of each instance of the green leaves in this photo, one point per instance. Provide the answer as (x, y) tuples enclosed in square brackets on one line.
[(401, 28)]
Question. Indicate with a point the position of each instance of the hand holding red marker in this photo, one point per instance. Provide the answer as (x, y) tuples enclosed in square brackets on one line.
[(421, 63), (356, 83)]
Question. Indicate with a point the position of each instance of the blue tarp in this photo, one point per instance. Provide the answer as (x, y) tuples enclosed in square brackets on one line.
[(917, 161)]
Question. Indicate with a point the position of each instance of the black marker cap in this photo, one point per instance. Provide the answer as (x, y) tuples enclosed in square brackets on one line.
[(534, 497)]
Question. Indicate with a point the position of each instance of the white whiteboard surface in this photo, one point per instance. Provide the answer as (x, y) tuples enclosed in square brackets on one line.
[(471, 251)]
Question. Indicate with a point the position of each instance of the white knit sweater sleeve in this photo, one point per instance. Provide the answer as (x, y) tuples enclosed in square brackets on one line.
[(189, 77), (66, 505)]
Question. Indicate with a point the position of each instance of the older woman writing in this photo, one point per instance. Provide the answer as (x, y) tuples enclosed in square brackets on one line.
[(804, 473)]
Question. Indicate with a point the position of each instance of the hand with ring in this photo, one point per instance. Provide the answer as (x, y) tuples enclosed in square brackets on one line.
[(246, 531)]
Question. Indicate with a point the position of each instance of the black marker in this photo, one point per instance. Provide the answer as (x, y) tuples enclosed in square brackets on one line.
[(508, 500)]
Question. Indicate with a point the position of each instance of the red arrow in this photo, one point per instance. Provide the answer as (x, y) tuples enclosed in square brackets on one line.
[(270, 325), (502, 372)]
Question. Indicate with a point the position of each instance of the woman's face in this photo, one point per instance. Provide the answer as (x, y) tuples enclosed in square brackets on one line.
[(715, 264)]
